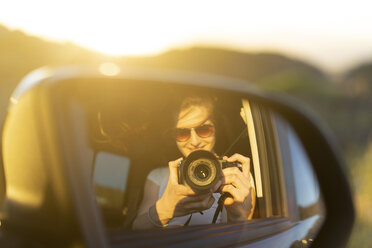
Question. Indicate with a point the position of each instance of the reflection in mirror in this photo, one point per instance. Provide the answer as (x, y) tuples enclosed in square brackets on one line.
[(171, 155)]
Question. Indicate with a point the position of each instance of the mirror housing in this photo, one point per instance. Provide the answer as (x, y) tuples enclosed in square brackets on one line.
[(46, 185)]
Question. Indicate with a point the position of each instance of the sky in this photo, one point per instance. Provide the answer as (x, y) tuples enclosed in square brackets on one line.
[(334, 35)]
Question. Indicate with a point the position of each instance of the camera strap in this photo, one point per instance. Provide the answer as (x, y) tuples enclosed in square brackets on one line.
[(189, 219), (236, 140), (220, 206), (218, 210)]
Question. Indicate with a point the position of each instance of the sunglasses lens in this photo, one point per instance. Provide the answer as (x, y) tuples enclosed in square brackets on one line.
[(182, 134), (204, 131)]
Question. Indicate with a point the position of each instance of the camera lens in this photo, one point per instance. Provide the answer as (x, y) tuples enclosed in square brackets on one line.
[(202, 172)]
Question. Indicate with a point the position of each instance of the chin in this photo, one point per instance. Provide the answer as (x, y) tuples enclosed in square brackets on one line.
[(192, 150)]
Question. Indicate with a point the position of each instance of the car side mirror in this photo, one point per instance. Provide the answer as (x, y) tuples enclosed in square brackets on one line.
[(78, 146)]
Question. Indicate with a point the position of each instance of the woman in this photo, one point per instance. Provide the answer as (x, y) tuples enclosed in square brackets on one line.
[(166, 202)]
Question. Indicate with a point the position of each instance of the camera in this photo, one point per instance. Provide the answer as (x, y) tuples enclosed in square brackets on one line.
[(201, 170)]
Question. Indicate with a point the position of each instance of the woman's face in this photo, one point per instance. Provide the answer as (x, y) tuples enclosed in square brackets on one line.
[(190, 119)]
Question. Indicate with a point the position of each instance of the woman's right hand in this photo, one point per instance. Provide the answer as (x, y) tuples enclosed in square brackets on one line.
[(180, 200)]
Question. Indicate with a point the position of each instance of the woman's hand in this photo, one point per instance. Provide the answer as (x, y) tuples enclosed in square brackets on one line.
[(240, 205), (180, 200)]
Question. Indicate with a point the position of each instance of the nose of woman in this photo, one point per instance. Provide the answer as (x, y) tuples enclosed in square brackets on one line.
[(195, 140)]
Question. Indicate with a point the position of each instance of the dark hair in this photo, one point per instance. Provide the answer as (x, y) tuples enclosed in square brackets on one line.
[(197, 101)]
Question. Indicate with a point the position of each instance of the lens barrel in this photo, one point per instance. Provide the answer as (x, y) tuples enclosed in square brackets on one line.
[(201, 170)]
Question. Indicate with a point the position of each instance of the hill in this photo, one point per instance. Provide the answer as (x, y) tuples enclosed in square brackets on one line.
[(358, 81), (357, 86), (251, 67), (268, 70)]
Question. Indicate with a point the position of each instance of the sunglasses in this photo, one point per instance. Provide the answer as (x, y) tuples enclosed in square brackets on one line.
[(203, 131)]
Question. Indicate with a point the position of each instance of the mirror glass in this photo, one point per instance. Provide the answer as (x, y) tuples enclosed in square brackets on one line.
[(162, 154)]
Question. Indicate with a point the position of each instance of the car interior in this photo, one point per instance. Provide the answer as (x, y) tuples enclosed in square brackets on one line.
[(130, 131)]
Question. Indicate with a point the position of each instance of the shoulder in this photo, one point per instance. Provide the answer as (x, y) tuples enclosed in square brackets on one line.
[(157, 175)]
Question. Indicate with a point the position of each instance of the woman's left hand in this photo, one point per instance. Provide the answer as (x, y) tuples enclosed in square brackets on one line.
[(240, 205)]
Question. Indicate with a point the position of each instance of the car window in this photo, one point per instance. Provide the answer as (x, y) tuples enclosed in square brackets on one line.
[(110, 178), (307, 189)]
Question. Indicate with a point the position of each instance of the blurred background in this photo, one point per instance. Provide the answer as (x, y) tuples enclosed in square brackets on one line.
[(319, 52)]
